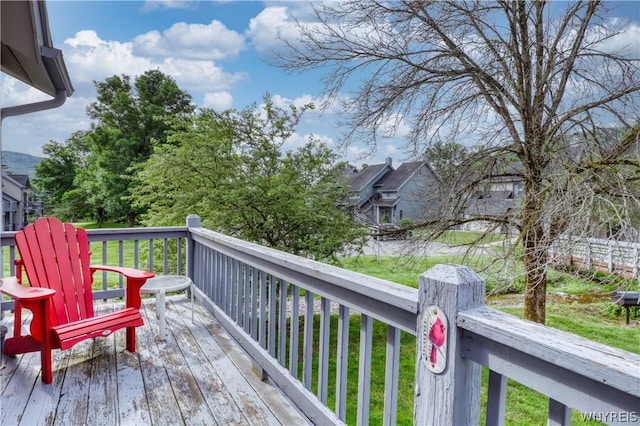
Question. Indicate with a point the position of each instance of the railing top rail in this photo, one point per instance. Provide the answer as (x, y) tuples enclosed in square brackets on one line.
[(7, 238), (601, 241), (382, 295), (109, 234), (604, 364)]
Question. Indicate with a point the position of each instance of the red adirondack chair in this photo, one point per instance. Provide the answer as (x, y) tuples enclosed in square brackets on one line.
[(55, 257)]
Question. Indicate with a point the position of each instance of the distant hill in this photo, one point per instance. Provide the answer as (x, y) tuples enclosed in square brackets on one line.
[(19, 163)]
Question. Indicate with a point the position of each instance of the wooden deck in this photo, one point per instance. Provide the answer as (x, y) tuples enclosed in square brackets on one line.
[(197, 376)]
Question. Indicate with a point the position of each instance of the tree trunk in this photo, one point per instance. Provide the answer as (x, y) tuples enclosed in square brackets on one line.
[(535, 263), (131, 220), (100, 216)]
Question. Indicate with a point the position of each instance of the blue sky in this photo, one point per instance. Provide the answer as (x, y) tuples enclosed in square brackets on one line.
[(215, 50)]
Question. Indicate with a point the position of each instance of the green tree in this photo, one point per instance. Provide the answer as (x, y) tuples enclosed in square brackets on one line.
[(516, 79), (128, 121), (229, 168), (446, 158), (56, 173)]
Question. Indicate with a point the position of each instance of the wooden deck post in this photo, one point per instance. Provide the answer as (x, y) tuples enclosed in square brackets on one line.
[(451, 397), (193, 221)]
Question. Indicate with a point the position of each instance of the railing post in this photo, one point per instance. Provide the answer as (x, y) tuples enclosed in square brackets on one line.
[(453, 395), (610, 256), (193, 221)]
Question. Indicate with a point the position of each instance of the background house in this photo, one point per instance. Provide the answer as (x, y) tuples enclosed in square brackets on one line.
[(497, 200), (15, 201), (381, 194)]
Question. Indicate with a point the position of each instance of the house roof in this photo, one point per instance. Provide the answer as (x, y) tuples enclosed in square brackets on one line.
[(27, 49), (22, 179), (394, 180), (359, 180), (386, 202)]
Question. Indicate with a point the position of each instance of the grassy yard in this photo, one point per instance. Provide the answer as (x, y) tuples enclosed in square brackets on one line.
[(465, 238)]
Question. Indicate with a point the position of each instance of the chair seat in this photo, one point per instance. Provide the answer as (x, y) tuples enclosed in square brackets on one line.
[(71, 333)]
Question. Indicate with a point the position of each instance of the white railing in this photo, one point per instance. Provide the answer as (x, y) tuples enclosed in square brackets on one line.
[(619, 257), (247, 283), (267, 300)]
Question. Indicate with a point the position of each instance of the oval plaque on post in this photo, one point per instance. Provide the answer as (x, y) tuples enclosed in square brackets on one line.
[(434, 339)]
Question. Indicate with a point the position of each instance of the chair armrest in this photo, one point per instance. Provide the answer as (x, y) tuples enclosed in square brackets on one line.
[(135, 280), (11, 287), (123, 270)]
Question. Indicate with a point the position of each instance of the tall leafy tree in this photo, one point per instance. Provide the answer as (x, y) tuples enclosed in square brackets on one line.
[(446, 157), (56, 173), (128, 121), (530, 80), (230, 169)]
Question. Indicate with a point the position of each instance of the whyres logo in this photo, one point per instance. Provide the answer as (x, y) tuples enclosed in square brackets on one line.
[(612, 416)]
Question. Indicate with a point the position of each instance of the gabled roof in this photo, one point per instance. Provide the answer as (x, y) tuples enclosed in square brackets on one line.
[(359, 180), (394, 180), (21, 179), (27, 49)]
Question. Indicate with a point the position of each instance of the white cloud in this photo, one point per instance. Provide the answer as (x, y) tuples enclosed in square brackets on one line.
[(359, 153), (15, 92), (270, 24), (150, 5), (318, 115), (299, 102), (626, 42), (394, 126), (195, 41), (90, 58), (297, 140), (390, 150), (218, 101), (28, 133)]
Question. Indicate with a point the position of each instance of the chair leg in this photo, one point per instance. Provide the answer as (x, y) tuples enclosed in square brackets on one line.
[(45, 358), (131, 339)]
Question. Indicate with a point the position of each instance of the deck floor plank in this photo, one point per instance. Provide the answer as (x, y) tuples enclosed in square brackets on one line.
[(132, 401), (216, 394), (232, 404), (76, 381), (190, 400), (103, 387), (230, 361), (192, 377)]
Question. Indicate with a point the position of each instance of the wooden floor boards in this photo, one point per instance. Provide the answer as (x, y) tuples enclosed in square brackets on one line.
[(198, 375)]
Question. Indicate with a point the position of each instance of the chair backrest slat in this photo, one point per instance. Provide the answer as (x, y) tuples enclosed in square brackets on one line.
[(85, 270), (55, 257)]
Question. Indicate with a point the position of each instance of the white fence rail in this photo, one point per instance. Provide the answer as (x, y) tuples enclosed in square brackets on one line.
[(618, 257)]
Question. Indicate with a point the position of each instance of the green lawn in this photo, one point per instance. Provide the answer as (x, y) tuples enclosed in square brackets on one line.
[(465, 238)]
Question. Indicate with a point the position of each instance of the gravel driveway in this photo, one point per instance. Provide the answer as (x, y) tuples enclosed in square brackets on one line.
[(404, 247)]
